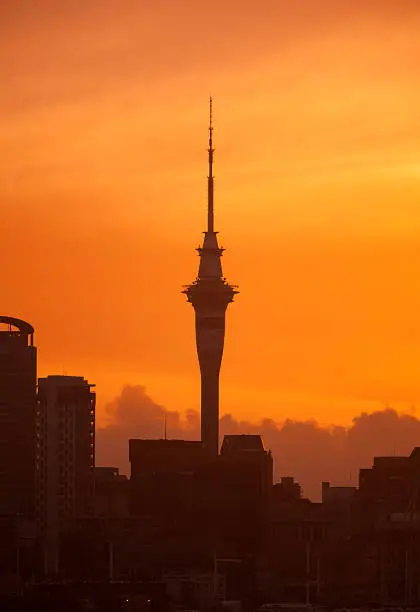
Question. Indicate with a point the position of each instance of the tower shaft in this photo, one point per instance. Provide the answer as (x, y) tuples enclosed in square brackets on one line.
[(210, 411)]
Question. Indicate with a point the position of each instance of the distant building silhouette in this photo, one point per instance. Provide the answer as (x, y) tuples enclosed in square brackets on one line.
[(334, 494), (287, 490), (245, 477), (17, 446), (210, 295), (224, 501), (17, 416), (389, 519), (65, 474)]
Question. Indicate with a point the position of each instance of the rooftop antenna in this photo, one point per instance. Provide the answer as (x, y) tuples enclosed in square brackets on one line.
[(210, 182)]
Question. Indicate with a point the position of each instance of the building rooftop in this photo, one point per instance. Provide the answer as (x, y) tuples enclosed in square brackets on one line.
[(59, 380), (22, 326), (16, 332), (389, 462), (161, 447), (235, 443)]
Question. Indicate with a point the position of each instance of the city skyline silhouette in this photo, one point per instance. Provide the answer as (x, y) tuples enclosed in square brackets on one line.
[(337, 456), (161, 450)]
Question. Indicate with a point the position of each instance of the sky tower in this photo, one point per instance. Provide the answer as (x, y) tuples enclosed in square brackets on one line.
[(210, 295)]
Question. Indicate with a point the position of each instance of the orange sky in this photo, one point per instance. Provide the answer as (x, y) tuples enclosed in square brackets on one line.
[(103, 117)]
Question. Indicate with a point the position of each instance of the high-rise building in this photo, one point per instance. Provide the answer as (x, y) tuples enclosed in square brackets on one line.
[(65, 457), (17, 417), (210, 295), (17, 448), (246, 482)]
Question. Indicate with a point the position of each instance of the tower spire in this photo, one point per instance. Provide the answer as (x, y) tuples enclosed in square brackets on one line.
[(210, 182)]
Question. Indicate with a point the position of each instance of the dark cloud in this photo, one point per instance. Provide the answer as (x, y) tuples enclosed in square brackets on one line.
[(304, 449)]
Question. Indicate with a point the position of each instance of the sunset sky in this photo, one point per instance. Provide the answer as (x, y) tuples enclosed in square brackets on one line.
[(103, 119)]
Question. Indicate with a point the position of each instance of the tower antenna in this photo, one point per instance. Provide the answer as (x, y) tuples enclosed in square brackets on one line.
[(210, 178)]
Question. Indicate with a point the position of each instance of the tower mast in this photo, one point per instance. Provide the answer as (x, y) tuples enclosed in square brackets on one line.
[(210, 178)]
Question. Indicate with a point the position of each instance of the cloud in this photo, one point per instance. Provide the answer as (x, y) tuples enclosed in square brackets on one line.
[(303, 449)]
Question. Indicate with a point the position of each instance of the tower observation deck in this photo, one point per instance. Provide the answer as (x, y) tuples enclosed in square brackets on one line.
[(210, 295)]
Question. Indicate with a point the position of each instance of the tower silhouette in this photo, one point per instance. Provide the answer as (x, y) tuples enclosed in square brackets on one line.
[(210, 295)]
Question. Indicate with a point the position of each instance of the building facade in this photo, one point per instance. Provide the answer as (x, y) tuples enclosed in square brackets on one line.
[(65, 458)]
